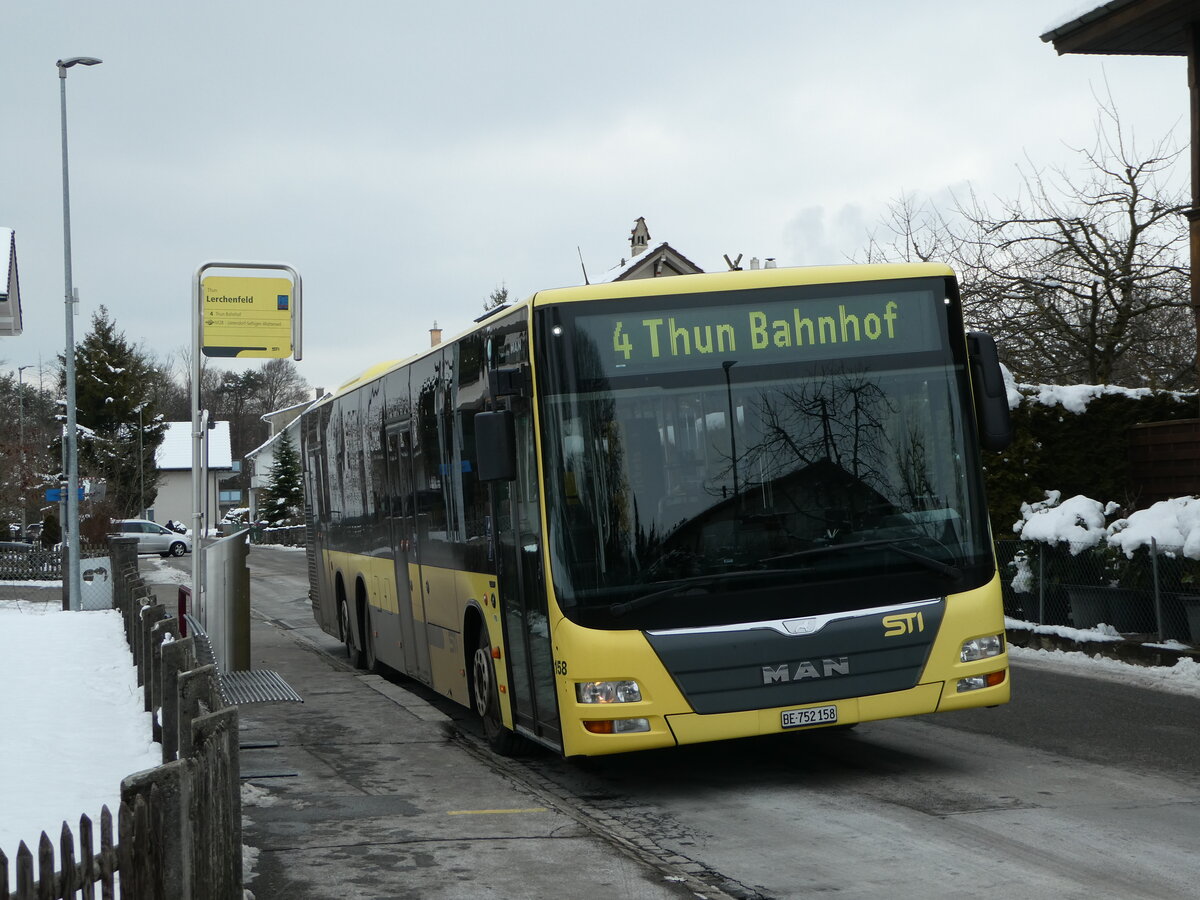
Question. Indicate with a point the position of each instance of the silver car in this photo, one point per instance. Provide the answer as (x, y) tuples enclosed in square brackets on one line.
[(154, 538)]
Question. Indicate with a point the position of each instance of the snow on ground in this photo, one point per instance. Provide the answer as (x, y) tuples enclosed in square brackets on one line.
[(1181, 678), (73, 724), (157, 571)]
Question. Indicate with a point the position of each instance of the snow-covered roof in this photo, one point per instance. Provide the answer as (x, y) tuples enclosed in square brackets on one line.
[(175, 452)]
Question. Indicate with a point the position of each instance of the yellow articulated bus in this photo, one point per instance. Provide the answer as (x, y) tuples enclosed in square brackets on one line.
[(633, 515)]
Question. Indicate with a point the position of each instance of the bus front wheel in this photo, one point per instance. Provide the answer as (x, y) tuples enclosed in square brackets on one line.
[(487, 699)]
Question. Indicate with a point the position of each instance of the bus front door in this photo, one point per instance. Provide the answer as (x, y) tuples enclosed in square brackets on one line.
[(406, 547), (526, 625)]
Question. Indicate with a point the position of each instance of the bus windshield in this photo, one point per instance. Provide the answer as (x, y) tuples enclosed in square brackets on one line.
[(788, 471)]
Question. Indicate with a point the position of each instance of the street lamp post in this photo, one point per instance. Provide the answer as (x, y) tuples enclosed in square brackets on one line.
[(21, 438), (74, 582)]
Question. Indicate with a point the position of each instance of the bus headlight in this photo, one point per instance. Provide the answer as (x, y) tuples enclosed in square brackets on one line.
[(982, 648), (608, 692)]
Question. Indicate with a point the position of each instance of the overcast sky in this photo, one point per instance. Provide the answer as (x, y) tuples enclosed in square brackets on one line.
[(408, 158)]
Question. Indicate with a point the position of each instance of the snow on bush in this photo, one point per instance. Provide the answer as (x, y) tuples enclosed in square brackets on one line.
[(1173, 524), (1080, 523), (1022, 582)]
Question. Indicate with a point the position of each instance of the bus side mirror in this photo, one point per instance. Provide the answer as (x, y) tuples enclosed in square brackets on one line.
[(495, 446), (987, 385)]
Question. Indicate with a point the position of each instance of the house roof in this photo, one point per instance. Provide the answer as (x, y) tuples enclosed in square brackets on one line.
[(1141, 27), (642, 264), (292, 428), (10, 290), (6, 256), (280, 418), (175, 452)]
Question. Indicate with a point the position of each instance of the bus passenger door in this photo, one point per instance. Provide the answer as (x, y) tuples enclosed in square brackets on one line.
[(407, 553), (527, 627)]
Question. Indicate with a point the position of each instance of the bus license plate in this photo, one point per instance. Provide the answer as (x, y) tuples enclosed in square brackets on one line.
[(814, 715)]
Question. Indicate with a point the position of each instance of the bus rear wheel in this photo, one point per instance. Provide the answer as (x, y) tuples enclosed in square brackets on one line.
[(352, 653), (370, 660), (486, 695)]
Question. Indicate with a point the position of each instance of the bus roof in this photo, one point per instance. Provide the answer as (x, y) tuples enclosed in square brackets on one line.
[(742, 280), (676, 284)]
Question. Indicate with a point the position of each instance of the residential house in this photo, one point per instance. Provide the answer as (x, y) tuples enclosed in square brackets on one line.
[(261, 460), (645, 261), (174, 462)]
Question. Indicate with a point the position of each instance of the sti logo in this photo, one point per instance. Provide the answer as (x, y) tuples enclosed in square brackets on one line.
[(903, 623)]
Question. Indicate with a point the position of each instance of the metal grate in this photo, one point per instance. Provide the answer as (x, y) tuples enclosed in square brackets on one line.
[(257, 686), (254, 686)]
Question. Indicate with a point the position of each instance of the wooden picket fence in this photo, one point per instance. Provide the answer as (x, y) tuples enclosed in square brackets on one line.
[(179, 825)]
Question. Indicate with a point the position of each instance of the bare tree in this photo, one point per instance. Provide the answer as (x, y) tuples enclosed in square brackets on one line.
[(1083, 277)]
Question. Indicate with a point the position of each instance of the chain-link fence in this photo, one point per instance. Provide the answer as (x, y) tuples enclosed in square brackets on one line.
[(35, 576), (1153, 594)]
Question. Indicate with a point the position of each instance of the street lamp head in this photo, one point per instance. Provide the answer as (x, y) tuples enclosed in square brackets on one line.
[(64, 64)]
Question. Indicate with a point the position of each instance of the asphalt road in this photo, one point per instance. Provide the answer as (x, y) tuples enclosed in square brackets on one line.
[(1078, 788)]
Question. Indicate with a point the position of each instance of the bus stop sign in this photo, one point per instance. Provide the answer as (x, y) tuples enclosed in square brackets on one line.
[(247, 317)]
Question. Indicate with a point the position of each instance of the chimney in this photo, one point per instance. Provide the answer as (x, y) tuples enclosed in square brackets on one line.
[(435, 335), (753, 263), (639, 238), (770, 264)]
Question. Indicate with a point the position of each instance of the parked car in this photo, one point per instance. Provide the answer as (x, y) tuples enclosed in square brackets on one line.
[(154, 538)]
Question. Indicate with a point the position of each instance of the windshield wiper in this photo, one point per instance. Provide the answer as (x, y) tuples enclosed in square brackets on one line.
[(696, 582), (942, 568)]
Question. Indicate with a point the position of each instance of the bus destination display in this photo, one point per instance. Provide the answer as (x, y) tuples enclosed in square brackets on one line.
[(800, 330)]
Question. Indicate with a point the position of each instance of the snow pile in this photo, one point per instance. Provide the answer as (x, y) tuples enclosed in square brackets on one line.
[(73, 720)]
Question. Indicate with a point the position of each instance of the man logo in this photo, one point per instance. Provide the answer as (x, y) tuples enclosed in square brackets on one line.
[(805, 669)]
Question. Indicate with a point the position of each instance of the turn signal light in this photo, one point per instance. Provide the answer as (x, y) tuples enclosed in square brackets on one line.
[(976, 682), (617, 726)]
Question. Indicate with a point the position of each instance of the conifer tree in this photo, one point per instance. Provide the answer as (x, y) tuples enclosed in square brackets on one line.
[(284, 501), (119, 426)]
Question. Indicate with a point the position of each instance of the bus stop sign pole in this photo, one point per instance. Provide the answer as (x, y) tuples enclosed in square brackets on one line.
[(249, 317)]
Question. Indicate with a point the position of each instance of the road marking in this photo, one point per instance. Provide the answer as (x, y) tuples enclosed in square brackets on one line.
[(494, 812)]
